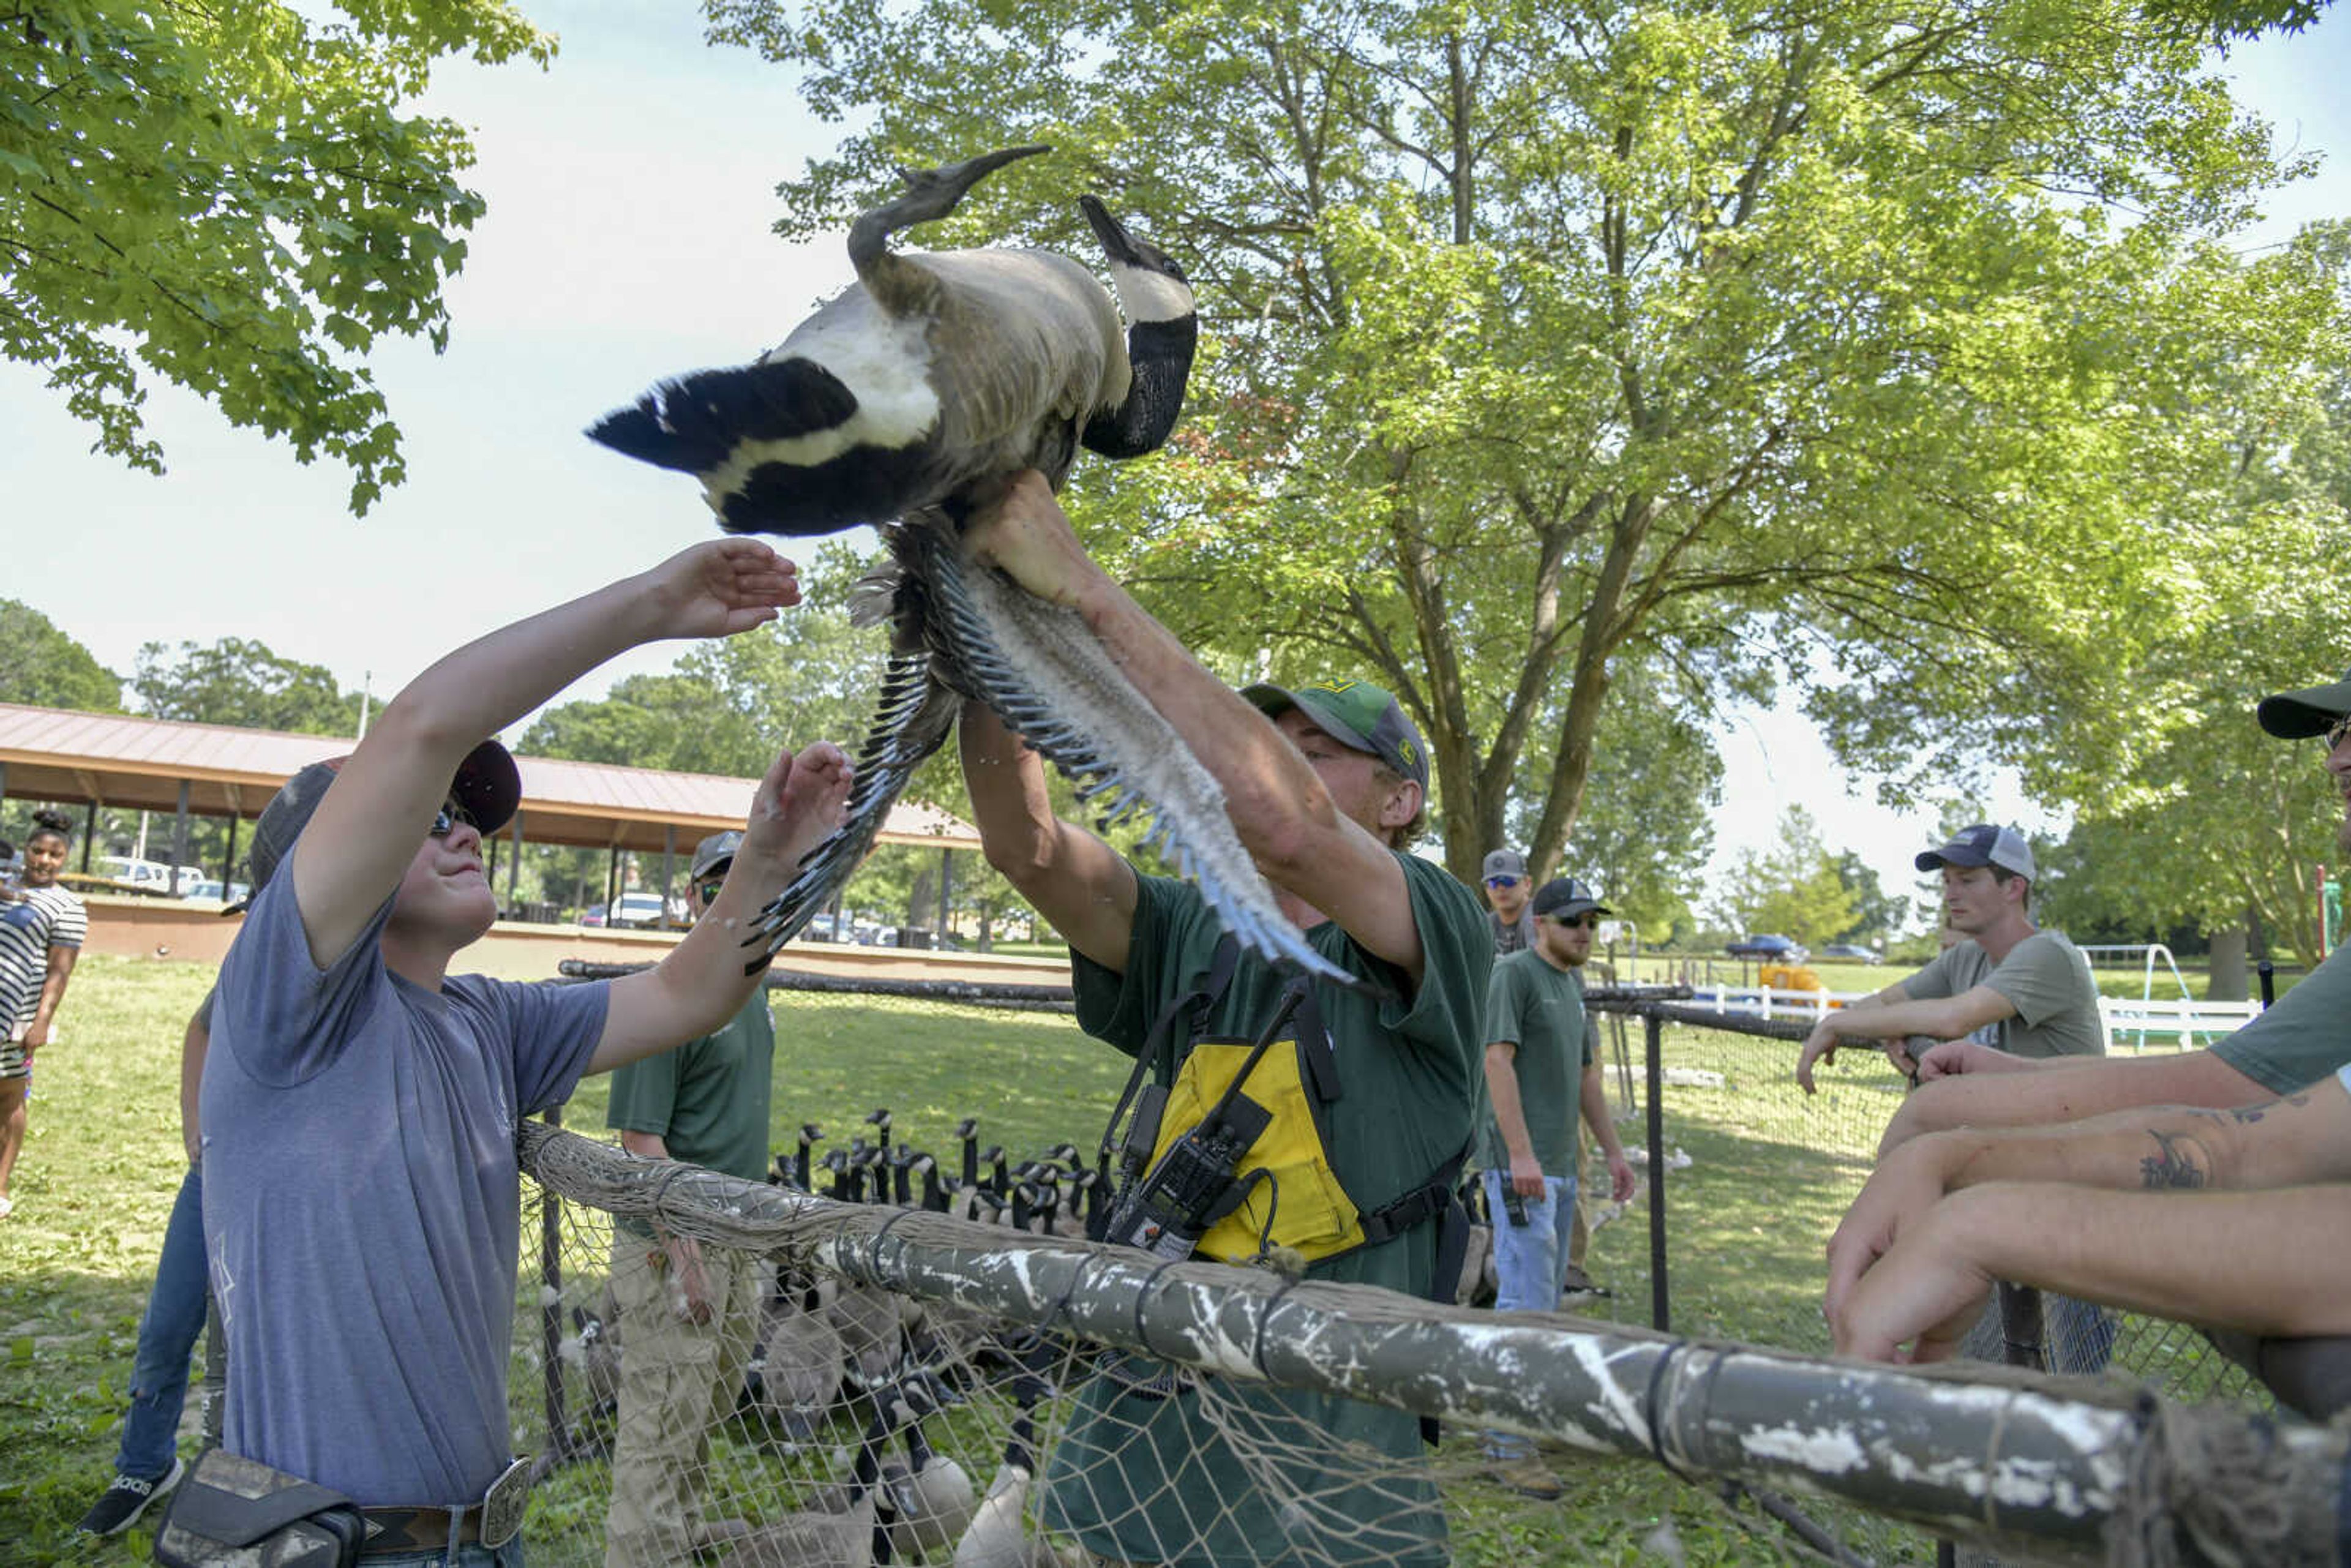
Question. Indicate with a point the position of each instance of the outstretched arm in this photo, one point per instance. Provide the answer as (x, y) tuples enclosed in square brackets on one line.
[(1081, 886), (1284, 816), (358, 843), (2067, 1090), (2302, 1138), (702, 983), (2238, 1260)]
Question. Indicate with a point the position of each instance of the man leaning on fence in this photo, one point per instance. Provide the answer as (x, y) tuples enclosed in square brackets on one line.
[(1325, 786), (361, 1200), (687, 1312), (1541, 1070), (1984, 1116), (2033, 986)]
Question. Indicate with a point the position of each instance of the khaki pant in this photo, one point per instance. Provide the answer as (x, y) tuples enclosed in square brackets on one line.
[(677, 1378)]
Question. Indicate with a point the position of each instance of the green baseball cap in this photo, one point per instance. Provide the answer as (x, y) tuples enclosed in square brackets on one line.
[(2314, 710), (1355, 714)]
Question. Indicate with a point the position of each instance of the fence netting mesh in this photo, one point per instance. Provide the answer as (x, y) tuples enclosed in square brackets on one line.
[(900, 1384)]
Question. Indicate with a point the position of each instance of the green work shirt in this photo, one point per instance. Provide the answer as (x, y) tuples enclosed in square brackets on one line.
[(708, 1100), (2303, 1039), (1538, 1007), (1132, 1473), (2044, 978)]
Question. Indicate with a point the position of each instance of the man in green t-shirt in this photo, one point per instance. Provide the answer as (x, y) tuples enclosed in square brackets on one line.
[(1325, 784), (2033, 986), (1541, 1070), (687, 1312)]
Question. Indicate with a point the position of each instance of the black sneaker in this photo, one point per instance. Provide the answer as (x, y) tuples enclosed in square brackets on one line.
[(126, 1499)]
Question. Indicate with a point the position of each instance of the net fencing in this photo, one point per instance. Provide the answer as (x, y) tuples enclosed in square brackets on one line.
[(908, 1385)]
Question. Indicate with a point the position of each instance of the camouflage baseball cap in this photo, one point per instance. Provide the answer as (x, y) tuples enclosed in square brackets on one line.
[(1357, 714)]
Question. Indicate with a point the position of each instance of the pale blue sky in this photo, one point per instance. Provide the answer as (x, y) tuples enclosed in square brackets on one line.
[(631, 192)]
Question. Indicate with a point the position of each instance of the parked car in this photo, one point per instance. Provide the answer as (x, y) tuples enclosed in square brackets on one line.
[(1770, 947), (211, 887), (592, 916), (817, 929), (639, 910), (136, 876), (1847, 950)]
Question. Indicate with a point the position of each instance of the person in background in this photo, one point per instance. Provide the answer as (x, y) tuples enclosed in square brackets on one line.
[(1541, 1070), (1507, 887), (41, 930), (687, 1312), (2033, 986), (147, 1464)]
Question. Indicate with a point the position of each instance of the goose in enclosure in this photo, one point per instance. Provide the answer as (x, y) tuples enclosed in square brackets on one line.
[(931, 1494), (853, 1535), (906, 402), (798, 1362), (998, 1536)]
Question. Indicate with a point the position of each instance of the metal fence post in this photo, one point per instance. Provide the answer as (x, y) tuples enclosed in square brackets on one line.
[(1661, 1315)]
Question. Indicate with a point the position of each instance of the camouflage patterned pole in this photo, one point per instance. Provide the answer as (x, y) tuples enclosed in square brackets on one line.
[(2021, 1464)]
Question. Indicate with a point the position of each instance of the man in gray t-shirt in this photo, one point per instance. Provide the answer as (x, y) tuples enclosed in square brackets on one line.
[(361, 1195), (2033, 986)]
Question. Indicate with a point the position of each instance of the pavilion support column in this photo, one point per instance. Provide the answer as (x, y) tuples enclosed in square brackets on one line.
[(89, 832), (612, 878), (4, 781), (179, 838), (514, 865), (946, 893), (669, 867), (228, 865)]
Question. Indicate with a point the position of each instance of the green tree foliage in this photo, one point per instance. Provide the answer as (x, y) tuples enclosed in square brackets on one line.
[(240, 681), (1794, 888), (42, 666), (1646, 826), (1548, 343), (228, 197), (1876, 914)]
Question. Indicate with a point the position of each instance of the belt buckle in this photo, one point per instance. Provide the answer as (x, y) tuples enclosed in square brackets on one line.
[(503, 1504)]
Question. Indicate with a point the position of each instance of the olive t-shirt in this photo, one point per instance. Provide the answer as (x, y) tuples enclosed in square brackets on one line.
[(1538, 1007), (2044, 978), (2303, 1038), (1128, 1476), (707, 1101)]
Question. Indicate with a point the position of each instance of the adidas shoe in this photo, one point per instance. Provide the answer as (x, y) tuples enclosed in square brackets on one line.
[(123, 1501)]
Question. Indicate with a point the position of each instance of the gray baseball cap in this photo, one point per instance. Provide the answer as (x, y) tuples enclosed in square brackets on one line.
[(1503, 862), (2314, 710), (714, 851), (1983, 844)]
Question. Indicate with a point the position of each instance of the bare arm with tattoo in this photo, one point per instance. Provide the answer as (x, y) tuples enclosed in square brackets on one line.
[(2300, 1139)]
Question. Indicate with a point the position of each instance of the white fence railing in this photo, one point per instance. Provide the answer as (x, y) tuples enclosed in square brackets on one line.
[(2190, 1023), (2127, 1021)]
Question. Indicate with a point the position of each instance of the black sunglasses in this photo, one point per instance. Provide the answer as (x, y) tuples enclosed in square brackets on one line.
[(1570, 922), (447, 817), (2335, 736), (709, 890)]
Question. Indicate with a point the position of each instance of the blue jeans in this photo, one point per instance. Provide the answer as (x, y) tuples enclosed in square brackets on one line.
[(167, 1337), (1530, 1267)]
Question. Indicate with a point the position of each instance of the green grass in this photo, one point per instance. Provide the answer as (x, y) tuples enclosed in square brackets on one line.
[(1771, 1173)]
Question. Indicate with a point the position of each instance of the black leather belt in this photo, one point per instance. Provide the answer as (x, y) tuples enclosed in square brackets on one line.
[(391, 1530)]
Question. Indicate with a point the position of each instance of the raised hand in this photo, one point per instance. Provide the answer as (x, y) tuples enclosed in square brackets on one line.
[(719, 588), (799, 803)]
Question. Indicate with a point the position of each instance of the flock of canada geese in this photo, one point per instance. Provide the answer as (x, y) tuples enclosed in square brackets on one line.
[(828, 1350)]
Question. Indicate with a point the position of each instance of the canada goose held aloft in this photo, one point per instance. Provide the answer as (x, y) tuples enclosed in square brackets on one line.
[(906, 402)]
